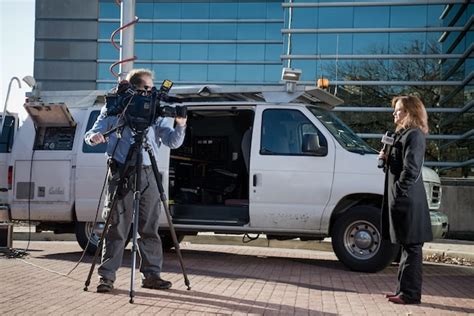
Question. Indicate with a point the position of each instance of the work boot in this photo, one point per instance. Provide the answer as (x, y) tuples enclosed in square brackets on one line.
[(105, 285), (155, 282)]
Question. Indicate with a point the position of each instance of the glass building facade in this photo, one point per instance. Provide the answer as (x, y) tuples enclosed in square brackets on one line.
[(369, 50)]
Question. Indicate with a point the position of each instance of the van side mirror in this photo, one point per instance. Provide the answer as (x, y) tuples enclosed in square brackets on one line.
[(312, 146)]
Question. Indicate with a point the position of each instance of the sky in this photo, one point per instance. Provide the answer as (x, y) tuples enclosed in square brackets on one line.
[(17, 23)]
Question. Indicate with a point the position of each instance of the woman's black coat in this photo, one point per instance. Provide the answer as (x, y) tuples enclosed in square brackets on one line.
[(405, 213)]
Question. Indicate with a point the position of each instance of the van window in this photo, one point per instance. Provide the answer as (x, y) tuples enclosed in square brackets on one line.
[(283, 131), (6, 139), (101, 148)]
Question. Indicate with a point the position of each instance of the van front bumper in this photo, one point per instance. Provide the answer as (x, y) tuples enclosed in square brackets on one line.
[(439, 224)]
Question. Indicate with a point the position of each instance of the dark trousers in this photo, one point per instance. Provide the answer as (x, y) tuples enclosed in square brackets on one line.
[(410, 272)]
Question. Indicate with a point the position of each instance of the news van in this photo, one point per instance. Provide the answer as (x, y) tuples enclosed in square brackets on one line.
[(255, 160)]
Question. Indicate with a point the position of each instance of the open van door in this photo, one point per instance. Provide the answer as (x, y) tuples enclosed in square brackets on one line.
[(7, 135), (43, 164)]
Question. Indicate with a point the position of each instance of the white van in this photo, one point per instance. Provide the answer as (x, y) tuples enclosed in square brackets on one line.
[(7, 135), (269, 162)]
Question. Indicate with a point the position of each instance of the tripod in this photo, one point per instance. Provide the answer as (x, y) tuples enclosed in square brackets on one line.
[(136, 148)]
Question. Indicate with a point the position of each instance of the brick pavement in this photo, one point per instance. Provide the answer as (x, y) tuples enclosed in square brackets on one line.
[(225, 280)]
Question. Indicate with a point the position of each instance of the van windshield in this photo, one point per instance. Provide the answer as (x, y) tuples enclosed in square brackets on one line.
[(341, 132), (6, 137)]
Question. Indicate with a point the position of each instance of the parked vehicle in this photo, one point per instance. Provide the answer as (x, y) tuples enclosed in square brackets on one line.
[(256, 160)]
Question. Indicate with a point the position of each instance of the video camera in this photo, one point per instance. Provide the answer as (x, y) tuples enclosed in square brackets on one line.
[(141, 108)]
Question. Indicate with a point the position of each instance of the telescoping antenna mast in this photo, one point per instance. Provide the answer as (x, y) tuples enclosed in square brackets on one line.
[(127, 39)]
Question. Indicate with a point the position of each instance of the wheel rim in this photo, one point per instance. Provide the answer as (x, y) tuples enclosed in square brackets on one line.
[(362, 240), (93, 232)]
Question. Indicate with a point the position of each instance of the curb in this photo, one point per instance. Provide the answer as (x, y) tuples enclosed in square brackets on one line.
[(431, 252)]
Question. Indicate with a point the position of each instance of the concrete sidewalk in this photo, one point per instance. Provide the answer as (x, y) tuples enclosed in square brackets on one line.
[(440, 250), (225, 280)]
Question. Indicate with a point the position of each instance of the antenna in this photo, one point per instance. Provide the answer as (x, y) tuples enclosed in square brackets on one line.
[(290, 22), (337, 60)]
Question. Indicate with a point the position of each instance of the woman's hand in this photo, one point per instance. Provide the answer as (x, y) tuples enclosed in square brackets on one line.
[(382, 155)]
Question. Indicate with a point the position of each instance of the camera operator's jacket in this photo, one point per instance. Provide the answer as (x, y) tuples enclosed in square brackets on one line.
[(161, 132)]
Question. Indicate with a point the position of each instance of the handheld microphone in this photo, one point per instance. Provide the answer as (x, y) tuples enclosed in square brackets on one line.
[(387, 141)]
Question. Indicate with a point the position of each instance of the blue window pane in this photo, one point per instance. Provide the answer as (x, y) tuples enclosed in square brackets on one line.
[(193, 73), (304, 18), (374, 69), (273, 51), (109, 10), (251, 31), (221, 73), (103, 72), (106, 29), (303, 44), (407, 43), (166, 71), (433, 14), (272, 73), (225, 31), (107, 51), (371, 16), (335, 17), (432, 44), (274, 10), (194, 51), (250, 52), (143, 51), (105, 86), (273, 31), (222, 52), (144, 10), (249, 10), (409, 16), (371, 43), (194, 31), (166, 51), (226, 10), (143, 66), (144, 31), (460, 47), (167, 10), (195, 10), (308, 68), (166, 30), (250, 73), (335, 43), (326, 69)]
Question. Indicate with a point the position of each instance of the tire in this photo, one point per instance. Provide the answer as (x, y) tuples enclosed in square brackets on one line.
[(167, 241), (84, 232), (357, 241)]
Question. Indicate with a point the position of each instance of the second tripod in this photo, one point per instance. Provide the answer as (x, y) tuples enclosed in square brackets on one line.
[(135, 151)]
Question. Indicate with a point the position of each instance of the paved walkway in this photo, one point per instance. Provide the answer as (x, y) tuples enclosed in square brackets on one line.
[(225, 280)]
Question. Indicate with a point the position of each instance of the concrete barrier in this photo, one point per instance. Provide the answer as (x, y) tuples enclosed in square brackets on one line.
[(457, 201)]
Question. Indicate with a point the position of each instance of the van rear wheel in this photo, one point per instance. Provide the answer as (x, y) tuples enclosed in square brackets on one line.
[(86, 231), (357, 240)]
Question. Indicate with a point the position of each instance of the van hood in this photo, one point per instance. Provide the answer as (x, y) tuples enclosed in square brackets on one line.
[(429, 175)]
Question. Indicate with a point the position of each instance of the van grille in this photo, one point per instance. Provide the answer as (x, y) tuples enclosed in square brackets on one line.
[(433, 194)]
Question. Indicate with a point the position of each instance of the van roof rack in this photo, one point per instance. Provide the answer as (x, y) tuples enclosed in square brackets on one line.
[(275, 94), (209, 93)]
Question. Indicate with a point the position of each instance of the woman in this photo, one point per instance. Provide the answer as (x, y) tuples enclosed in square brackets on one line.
[(405, 213)]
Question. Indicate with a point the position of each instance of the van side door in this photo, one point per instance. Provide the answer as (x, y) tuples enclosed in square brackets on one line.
[(91, 169), (289, 188)]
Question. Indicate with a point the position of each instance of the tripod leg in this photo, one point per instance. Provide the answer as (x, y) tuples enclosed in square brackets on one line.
[(136, 211), (101, 240), (164, 201)]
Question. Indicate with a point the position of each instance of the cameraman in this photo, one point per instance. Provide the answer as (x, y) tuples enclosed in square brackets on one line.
[(149, 243)]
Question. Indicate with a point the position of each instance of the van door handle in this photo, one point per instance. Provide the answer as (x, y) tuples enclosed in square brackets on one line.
[(255, 179)]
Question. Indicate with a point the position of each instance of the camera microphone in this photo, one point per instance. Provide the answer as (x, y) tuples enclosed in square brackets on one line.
[(387, 141)]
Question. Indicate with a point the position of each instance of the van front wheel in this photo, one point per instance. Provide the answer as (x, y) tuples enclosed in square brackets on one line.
[(357, 241)]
